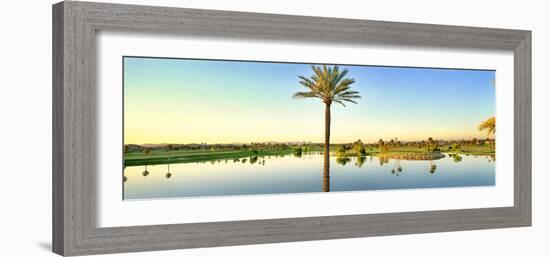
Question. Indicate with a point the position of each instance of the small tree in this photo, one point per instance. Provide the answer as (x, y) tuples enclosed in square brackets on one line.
[(382, 146), (359, 148), (146, 151), (432, 145), (455, 147), (341, 151)]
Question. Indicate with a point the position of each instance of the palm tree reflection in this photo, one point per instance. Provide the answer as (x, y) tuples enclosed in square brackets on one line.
[(433, 167), (146, 153), (397, 168), (124, 178), (168, 174)]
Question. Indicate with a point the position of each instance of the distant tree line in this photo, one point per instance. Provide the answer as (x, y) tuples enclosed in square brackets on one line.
[(358, 146)]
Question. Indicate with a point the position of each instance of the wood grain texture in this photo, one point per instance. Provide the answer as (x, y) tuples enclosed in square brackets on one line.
[(522, 128), (75, 25), (58, 230)]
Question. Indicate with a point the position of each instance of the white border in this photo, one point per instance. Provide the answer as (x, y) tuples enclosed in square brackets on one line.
[(115, 212)]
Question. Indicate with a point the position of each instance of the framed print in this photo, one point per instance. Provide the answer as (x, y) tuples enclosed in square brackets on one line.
[(183, 128)]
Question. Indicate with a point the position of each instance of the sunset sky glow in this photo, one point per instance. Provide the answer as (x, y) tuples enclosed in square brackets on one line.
[(184, 101)]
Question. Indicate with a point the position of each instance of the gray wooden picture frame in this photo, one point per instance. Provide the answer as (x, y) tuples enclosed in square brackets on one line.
[(75, 25)]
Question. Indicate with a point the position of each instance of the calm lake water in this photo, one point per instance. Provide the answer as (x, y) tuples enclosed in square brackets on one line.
[(290, 174)]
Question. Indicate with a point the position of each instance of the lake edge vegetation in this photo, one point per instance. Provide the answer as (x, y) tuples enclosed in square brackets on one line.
[(430, 149)]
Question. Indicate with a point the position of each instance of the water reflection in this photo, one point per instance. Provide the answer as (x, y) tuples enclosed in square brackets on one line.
[(397, 169), (342, 160), (457, 158), (433, 167), (360, 160), (297, 153), (253, 159), (168, 174), (383, 160), (293, 174)]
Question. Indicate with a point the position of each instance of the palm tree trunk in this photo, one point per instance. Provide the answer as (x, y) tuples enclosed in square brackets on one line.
[(326, 173)]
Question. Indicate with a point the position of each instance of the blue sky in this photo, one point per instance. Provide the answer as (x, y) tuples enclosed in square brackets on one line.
[(190, 101)]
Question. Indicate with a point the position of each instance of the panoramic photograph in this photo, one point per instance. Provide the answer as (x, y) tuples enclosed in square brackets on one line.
[(204, 128)]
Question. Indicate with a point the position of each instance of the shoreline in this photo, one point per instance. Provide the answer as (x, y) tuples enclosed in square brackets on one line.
[(166, 157)]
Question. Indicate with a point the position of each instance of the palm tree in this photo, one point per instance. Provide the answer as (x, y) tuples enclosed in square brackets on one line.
[(329, 85), (489, 125)]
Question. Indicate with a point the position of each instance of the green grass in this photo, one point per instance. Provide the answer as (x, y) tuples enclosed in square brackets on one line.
[(477, 150), (164, 157)]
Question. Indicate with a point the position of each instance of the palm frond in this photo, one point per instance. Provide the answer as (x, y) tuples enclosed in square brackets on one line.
[(349, 94), (306, 80), (347, 100), (301, 95), (340, 102), (340, 76)]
